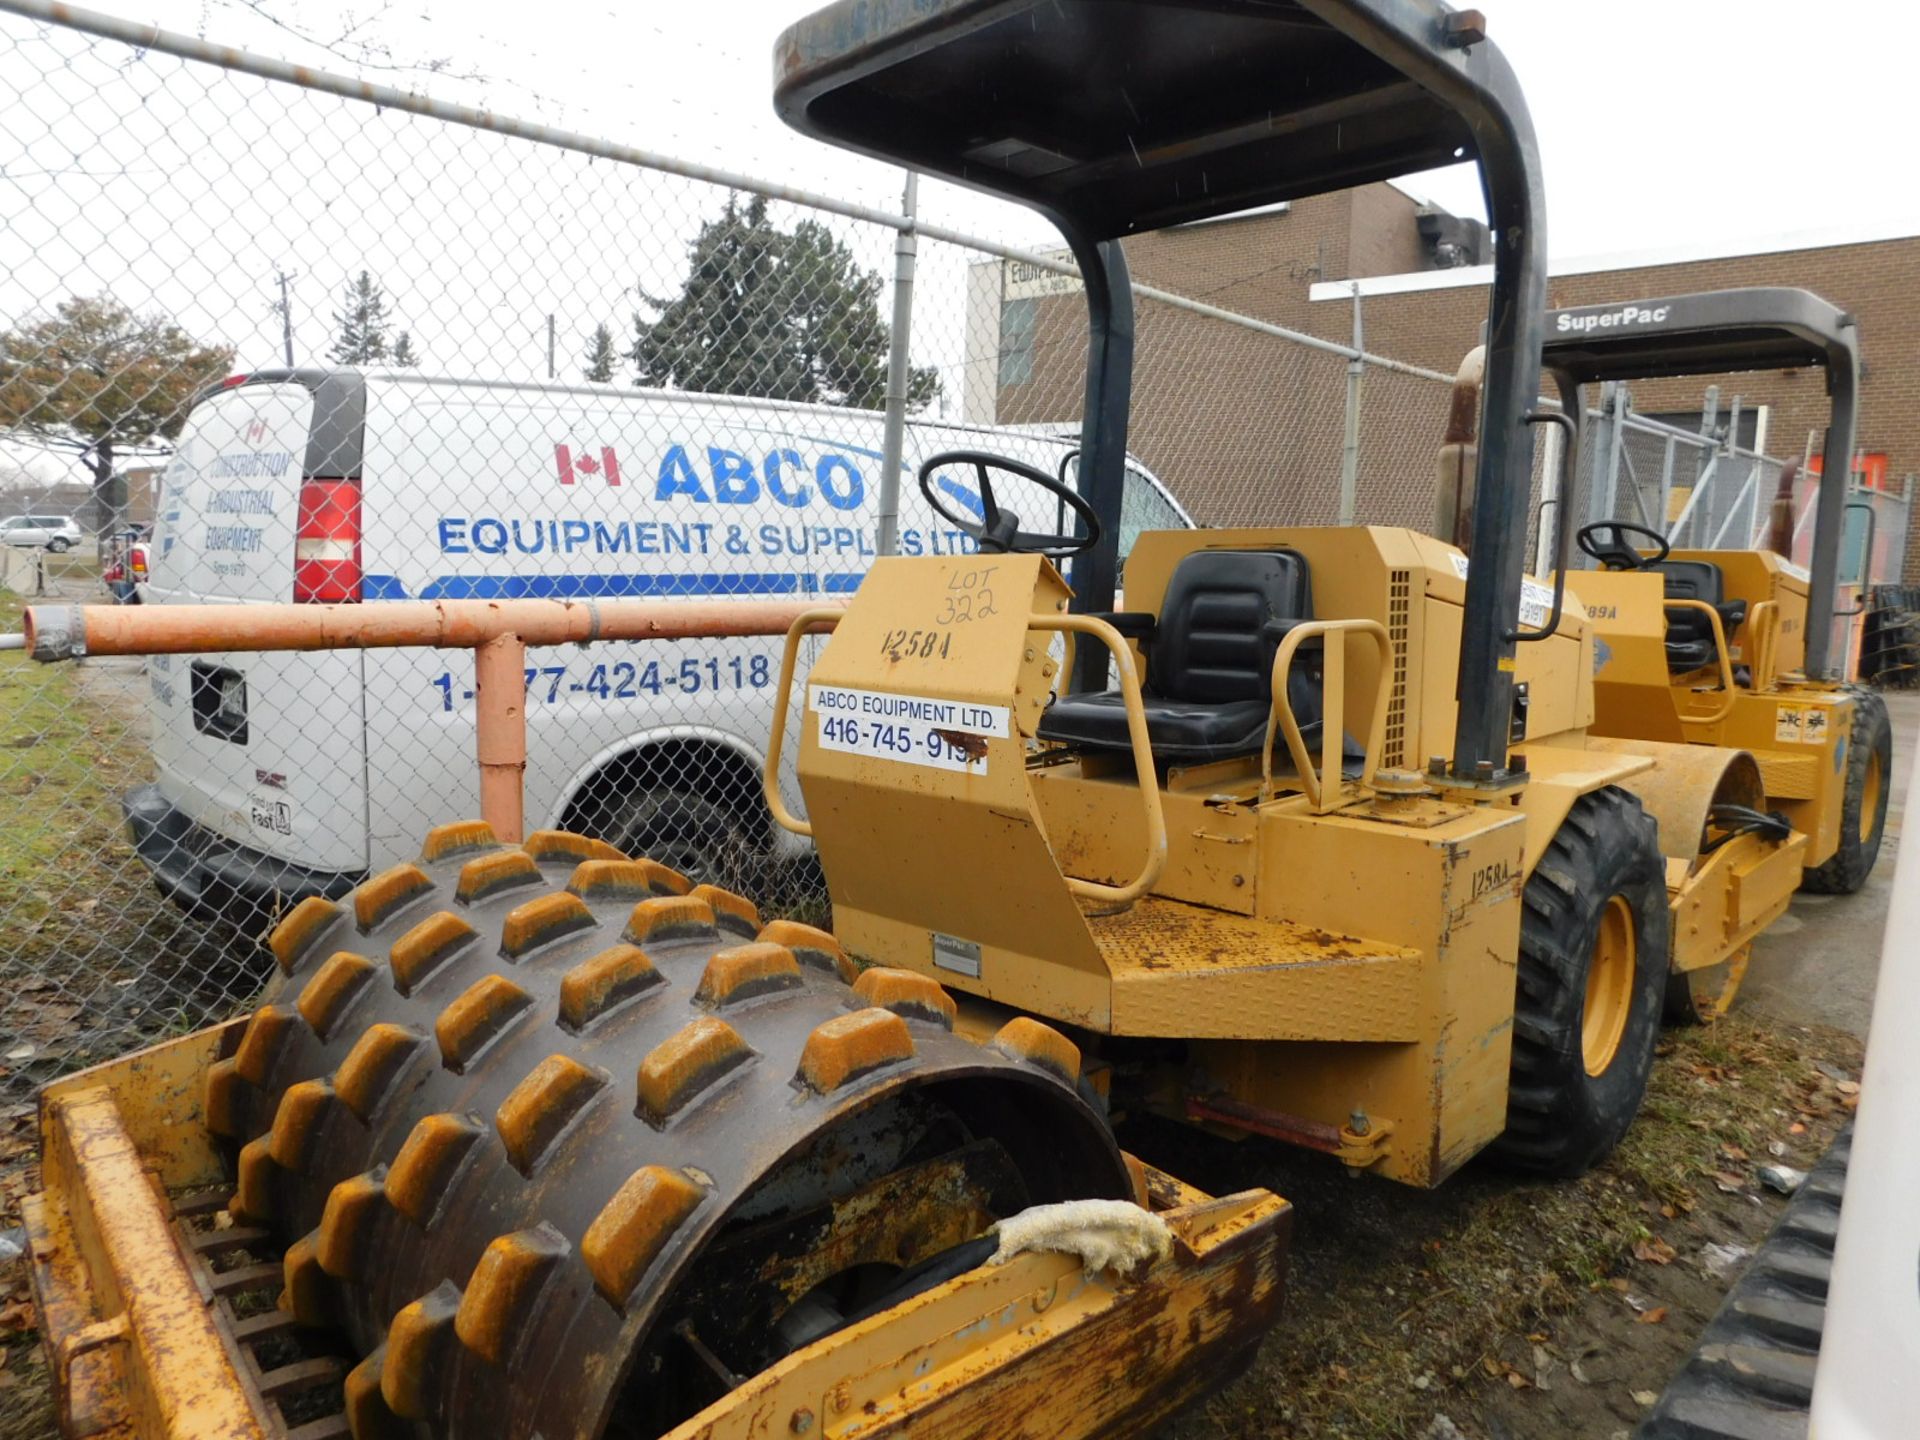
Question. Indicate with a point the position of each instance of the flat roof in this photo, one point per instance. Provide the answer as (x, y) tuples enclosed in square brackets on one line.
[(1829, 238)]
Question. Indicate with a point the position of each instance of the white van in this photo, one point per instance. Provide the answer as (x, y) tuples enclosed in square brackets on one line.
[(284, 775)]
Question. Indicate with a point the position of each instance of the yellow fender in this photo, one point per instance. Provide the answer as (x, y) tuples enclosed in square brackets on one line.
[(1724, 897)]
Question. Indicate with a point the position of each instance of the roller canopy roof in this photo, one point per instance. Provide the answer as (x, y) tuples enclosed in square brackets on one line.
[(1706, 334), (1116, 116)]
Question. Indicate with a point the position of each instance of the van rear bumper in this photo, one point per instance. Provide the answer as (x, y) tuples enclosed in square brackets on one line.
[(209, 875)]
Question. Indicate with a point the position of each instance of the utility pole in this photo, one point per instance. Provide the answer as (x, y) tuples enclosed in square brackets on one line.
[(550, 347), (285, 307), (893, 439), (1350, 444)]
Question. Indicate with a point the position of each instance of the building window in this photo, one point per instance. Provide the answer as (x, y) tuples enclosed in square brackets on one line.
[(1016, 342)]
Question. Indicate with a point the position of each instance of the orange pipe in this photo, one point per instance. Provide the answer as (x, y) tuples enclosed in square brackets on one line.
[(497, 631), (500, 738), (65, 632)]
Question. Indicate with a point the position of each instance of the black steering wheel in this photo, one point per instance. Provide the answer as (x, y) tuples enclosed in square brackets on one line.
[(998, 531), (1606, 541)]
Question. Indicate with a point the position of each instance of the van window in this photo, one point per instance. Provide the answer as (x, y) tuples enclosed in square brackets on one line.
[(1143, 507)]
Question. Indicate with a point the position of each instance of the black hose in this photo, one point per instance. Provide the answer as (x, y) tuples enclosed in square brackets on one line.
[(1734, 821)]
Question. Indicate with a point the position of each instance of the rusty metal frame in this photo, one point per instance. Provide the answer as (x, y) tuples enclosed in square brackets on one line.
[(1103, 1355), (145, 1341), (131, 1338), (497, 631)]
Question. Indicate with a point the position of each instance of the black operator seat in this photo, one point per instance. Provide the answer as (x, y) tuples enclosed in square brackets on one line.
[(1689, 633), (1208, 690)]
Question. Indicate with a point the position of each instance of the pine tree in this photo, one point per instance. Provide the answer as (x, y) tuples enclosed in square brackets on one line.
[(404, 357), (361, 325), (775, 314), (601, 356)]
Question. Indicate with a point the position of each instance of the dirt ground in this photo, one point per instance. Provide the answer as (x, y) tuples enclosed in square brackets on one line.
[(1497, 1308), (1493, 1308)]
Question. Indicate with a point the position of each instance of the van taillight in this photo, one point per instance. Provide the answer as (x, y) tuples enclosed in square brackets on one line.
[(326, 547)]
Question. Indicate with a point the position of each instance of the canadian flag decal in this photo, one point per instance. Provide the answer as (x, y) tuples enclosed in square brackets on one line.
[(584, 466)]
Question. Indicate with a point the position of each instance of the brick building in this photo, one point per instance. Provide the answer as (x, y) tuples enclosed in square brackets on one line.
[(1250, 427)]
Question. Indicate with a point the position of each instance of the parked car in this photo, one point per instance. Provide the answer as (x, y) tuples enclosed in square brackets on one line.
[(284, 775), (58, 533)]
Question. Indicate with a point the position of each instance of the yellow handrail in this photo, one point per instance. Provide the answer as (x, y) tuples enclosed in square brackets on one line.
[(1142, 758), (1725, 657), (810, 621), (1323, 786), (806, 622), (1763, 632)]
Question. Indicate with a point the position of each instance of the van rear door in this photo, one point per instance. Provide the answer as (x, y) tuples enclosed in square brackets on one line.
[(259, 503)]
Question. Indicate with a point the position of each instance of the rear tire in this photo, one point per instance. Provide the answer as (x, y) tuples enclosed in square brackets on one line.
[(702, 838), (1863, 813), (59, 547), (1594, 933)]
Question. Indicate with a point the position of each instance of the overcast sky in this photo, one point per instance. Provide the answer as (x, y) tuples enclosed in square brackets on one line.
[(178, 189), (1662, 122)]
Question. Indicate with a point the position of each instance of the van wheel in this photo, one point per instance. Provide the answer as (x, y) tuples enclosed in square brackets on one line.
[(59, 547), (1594, 931), (700, 837), (1863, 813)]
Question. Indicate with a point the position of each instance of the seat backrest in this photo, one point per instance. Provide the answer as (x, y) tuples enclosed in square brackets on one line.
[(1209, 645), (1693, 580)]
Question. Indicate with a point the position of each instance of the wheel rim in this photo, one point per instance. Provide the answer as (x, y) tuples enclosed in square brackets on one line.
[(1870, 798), (1610, 974)]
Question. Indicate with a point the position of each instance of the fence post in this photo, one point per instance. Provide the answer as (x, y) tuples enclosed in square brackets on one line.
[(1613, 403), (906, 246), (1550, 501), (1350, 448)]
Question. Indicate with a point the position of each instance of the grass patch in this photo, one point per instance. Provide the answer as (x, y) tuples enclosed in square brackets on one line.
[(64, 763), (96, 962)]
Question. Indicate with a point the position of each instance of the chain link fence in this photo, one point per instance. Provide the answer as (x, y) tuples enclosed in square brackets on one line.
[(484, 358), (1705, 492)]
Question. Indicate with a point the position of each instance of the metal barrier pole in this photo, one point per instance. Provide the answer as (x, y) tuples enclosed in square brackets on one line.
[(1745, 495), (906, 245), (1614, 403), (1700, 485), (500, 733), (497, 631), (1666, 482), (1350, 448)]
